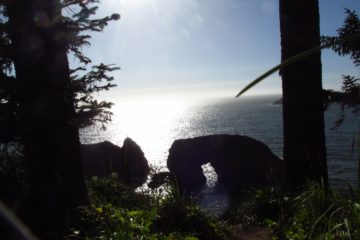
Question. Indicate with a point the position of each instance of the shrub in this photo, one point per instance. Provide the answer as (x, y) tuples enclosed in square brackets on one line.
[(321, 213), (117, 212)]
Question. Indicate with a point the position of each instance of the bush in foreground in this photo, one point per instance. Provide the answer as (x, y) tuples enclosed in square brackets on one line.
[(117, 212)]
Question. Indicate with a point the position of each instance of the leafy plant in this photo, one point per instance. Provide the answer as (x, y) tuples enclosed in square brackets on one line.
[(319, 213), (179, 214), (117, 212), (261, 209), (110, 190)]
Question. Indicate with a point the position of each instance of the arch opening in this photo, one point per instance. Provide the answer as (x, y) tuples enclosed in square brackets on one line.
[(210, 174)]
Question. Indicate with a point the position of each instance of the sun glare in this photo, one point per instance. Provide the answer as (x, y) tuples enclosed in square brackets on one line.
[(157, 111), (149, 123)]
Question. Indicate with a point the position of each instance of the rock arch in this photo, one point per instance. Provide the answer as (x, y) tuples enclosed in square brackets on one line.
[(240, 162)]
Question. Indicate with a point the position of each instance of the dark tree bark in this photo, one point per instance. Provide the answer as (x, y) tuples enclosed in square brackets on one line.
[(304, 137), (50, 138)]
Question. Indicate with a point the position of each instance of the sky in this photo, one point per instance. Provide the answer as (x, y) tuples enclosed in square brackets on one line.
[(191, 48)]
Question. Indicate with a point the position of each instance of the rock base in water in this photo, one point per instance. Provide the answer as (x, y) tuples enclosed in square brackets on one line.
[(240, 163), (105, 158)]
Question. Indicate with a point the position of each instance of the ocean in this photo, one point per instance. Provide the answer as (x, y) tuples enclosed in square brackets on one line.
[(155, 124)]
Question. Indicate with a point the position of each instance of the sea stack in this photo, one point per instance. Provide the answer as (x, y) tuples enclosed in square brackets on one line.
[(239, 161), (104, 158)]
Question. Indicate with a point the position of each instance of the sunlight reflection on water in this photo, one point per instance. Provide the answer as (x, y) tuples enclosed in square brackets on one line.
[(154, 125)]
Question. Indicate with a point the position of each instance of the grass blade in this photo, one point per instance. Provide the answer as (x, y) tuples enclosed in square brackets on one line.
[(292, 60)]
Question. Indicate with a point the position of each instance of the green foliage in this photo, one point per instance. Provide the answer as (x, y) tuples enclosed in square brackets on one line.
[(110, 190), (89, 110), (341, 44), (344, 45), (79, 22), (319, 213), (257, 209), (109, 222), (117, 212), (314, 213), (178, 214), (87, 79)]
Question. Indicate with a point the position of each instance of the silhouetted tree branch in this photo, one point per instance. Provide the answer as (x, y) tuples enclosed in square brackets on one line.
[(349, 96), (43, 102), (86, 80)]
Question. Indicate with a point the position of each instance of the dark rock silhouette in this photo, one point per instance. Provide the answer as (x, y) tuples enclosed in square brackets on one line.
[(239, 161), (137, 164), (128, 161), (159, 179)]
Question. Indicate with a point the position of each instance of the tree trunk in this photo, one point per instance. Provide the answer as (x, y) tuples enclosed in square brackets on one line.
[(50, 137), (304, 137)]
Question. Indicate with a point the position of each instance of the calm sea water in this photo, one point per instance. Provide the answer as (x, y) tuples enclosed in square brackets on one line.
[(154, 125)]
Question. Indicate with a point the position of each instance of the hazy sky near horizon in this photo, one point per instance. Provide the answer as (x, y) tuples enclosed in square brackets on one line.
[(182, 48)]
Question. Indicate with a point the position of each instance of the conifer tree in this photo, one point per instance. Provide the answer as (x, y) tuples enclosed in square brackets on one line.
[(86, 79), (346, 43), (43, 102)]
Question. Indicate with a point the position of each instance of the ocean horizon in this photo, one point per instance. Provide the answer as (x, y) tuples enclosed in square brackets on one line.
[(154, 125)]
